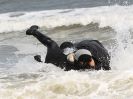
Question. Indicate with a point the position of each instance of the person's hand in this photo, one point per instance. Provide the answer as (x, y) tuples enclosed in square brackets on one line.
[(32, 30), (38, 58), (71, 58)]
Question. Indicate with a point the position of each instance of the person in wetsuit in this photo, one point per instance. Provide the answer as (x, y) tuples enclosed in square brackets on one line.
[(54, 54), (87, 54), (98, 53)]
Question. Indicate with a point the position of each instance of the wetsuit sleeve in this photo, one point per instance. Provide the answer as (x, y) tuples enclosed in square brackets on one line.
[(45, 40), (98, 43), (102, 64), (69, 66), (106, 64)]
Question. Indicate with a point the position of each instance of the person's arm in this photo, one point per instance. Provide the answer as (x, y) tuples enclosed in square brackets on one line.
[(104, 64), (104, 61), (45, 40)]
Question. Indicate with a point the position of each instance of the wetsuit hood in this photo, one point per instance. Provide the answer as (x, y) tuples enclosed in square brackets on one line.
[(67, 47)]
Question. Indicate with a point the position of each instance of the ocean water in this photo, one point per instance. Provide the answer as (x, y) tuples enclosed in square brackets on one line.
[(109, 21)]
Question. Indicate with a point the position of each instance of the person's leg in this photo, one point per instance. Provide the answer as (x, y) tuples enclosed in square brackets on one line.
[(33, 30)]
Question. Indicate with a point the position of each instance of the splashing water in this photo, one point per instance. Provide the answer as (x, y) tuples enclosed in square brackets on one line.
[(27, 79)]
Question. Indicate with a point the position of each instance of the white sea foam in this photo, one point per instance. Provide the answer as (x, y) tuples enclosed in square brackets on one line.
[(113, 16), (71, 85), (53, 82)]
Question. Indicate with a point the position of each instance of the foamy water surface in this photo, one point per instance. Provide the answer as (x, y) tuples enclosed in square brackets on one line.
[(23, 78)]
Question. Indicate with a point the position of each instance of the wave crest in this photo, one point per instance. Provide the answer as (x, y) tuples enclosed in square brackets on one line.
[(116, 17)]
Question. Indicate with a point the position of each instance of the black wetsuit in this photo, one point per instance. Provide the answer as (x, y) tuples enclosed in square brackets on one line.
[(55, 55), (99, 53)]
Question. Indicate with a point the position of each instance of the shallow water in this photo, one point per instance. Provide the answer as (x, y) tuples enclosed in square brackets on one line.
[(23, 78)]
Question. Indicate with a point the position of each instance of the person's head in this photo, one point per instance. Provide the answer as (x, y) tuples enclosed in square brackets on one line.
[(84, 58), (67, 47)]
